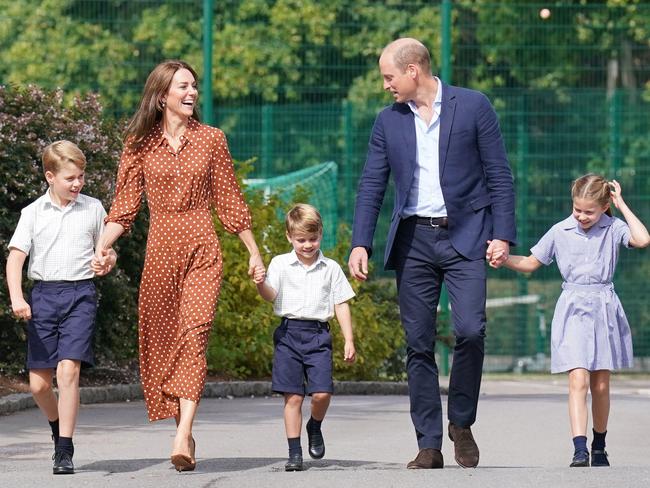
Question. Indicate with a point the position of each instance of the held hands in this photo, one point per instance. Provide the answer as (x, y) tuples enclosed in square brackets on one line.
[(256, 269), (350, 353), (497, 253), (259, 275), (103, 261), (21, 309)]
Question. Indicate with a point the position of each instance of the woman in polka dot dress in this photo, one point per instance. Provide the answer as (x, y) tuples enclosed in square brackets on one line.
[(185, 169)]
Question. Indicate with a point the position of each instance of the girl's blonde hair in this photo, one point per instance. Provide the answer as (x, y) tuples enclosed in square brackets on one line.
[(60, 152), (592, 187), (303, 219)]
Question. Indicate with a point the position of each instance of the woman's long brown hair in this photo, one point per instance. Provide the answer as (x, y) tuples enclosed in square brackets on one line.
[(151, 109)]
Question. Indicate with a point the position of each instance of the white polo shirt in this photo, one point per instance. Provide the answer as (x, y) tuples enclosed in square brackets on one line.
[(60, 241), (307, 292)]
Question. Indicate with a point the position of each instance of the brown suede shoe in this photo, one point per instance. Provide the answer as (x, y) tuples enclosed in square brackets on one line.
[(465, 448), (427, 459)]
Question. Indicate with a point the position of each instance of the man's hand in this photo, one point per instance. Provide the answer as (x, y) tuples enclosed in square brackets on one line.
[(358, 263)]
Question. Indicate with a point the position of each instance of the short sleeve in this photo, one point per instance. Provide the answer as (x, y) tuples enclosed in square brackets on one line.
[(621, 232), (24, 233), (341, 289), (544, 250), (128, 189), (273, 274), (226, 195)]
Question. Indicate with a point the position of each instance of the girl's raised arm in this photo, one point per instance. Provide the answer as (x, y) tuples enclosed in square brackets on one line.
[(639, 236)]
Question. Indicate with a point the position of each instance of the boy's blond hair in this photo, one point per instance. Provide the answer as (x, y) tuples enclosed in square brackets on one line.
[(303, 219), (60, 152)]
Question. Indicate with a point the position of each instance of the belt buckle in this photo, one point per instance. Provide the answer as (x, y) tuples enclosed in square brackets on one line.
[(431, 222)]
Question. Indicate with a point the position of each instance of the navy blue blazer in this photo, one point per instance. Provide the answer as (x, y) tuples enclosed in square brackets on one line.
[(475, 176)]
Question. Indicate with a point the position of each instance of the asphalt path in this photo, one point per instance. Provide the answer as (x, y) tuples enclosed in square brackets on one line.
[(522, 431)]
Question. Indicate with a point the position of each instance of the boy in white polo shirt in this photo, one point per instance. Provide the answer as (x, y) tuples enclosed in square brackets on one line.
[(59, 232), (307, 289)]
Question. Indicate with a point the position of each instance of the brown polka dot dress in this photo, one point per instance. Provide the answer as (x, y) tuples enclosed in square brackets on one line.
[(182, 269)]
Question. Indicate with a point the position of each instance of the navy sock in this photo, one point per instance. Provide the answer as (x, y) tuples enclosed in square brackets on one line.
[(313, 425), (580, 443), (599, 441), (54, 425), (294, 446), (65, 445)]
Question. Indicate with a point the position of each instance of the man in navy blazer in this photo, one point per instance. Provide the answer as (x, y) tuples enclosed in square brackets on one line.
[(454, 208)]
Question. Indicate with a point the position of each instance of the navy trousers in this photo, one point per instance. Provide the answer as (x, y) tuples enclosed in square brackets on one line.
[(424, 259)]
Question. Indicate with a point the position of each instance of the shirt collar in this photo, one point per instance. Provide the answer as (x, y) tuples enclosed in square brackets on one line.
[(191, 132), (570, 223), (437, 101), (47, 200), (294, 260)]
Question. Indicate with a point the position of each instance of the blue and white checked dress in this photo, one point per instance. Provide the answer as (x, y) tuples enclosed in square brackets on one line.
[(589, 327)]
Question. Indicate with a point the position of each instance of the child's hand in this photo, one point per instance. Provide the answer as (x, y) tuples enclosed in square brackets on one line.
[(615, 192), (259, 275), (21, 309), (349, 352)]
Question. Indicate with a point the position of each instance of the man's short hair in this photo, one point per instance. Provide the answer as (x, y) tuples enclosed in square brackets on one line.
[(303, 219), (412, 53), (60, 152)]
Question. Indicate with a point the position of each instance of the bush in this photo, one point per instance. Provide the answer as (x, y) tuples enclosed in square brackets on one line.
[(30, 119), (241, 344)]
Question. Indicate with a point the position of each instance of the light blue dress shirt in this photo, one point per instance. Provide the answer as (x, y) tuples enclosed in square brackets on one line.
[(425, 198)]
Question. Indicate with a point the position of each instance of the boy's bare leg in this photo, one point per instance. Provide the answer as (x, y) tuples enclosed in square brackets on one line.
[(67, 379), (578, 388), (320, 402), (40, 384), (600, 399), (293, 414)]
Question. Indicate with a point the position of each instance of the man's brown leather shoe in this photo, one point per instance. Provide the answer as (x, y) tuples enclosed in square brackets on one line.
[(427, 459), (465, 448)]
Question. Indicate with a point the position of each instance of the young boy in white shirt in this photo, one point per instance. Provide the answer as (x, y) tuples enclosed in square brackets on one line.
[(59, 232), (307, 289)]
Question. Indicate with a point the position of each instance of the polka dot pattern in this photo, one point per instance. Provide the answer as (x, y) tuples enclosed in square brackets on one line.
[(183, 268)]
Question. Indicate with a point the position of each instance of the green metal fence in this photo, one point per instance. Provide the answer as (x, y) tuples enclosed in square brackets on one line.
[(295, 83)]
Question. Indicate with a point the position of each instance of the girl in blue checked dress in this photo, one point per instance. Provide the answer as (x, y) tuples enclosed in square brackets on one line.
[(590, 333)]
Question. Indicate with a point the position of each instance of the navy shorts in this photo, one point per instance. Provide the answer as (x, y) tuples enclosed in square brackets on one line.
[(62, 323), (303, 352)]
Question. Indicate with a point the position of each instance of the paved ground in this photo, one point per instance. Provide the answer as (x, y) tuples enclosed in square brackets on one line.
[(522, 431)]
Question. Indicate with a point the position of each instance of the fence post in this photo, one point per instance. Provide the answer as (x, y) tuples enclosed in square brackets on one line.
[(267, 140), (348, 159), (521, 345), (615, 132), (208, 110)]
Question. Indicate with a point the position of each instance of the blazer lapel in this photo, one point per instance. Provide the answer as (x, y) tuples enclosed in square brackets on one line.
[(446, 121)]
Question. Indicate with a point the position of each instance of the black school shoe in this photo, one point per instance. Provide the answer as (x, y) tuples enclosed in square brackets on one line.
[(316, 442), (62, 463), (294, 463), (599, 458), (580, 460)]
